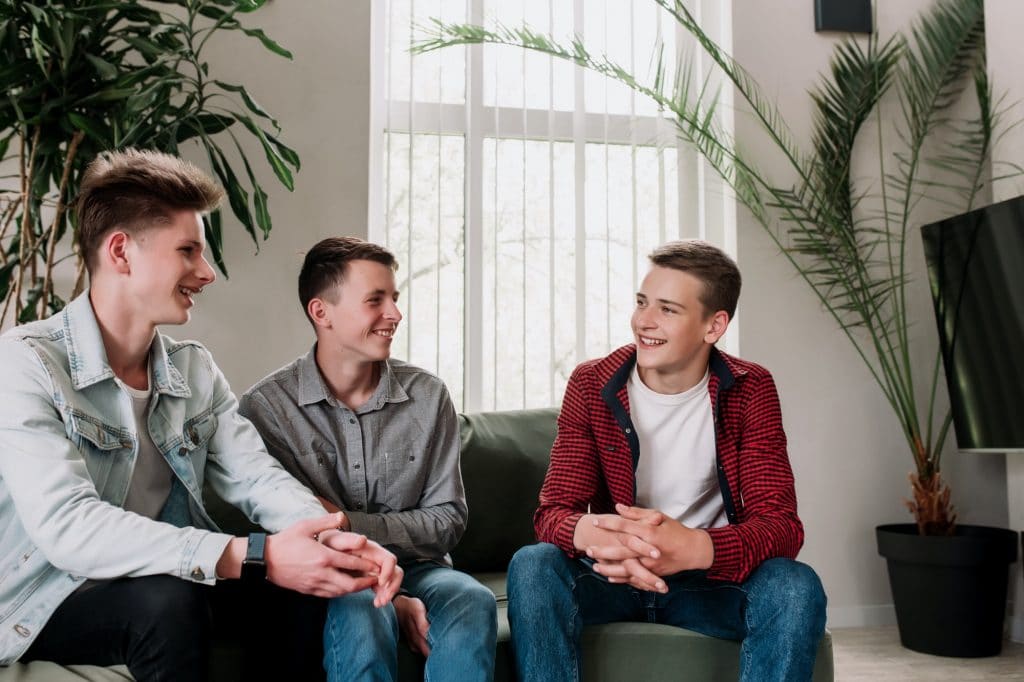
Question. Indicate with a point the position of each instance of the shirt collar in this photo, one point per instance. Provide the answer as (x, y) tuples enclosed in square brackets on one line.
[(87, 356), (313, 389)]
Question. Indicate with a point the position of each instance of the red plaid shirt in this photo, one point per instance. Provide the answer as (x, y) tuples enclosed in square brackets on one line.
[(594, 458)]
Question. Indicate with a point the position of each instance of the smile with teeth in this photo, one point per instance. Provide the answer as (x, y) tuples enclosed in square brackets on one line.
[(188, 292), (647, 341), (386, 333)]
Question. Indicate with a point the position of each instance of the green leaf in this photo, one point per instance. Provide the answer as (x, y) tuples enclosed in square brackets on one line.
[(276, 161), (267, 42), (250, 103), (212, 225), (105, 69), (93, 129)]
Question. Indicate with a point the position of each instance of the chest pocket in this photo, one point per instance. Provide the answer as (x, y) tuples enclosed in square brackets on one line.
[(196, 434), (106, 449), (403, 478)]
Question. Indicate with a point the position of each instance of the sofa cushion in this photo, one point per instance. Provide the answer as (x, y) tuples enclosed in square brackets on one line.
[(504, 458)]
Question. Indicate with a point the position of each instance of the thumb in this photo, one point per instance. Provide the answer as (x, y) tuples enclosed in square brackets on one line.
[(651, 517), (314, 526)]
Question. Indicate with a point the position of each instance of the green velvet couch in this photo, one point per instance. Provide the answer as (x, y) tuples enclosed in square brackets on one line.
[(504, 457)]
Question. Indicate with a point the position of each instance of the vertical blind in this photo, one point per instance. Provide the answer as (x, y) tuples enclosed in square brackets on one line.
[(521, 194)]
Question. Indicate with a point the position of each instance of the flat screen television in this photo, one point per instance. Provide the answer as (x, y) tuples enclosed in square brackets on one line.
[(976, 271)]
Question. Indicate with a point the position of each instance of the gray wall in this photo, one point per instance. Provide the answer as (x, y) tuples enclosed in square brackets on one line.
[(850, 458)]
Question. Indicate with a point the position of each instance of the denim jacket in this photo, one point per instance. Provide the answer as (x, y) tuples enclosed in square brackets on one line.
[(68, 445)]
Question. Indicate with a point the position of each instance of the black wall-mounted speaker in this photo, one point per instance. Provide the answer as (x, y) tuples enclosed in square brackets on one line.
[(848, 16)]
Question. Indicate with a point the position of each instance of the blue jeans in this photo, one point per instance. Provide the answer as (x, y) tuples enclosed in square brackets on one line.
[(778, 613), (361, 641)]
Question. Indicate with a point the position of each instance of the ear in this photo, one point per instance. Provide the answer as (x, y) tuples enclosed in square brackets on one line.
[(319, 313), (717, 325), (115, 252)]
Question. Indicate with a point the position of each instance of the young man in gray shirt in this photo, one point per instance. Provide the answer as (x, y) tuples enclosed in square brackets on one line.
[(378, 440)]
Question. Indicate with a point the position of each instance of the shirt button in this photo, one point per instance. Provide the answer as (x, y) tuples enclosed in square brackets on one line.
[(351, 421), (359, 505), (197, 574), (356, 466), (629, 430)]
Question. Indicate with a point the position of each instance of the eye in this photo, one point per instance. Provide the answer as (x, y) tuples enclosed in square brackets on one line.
[(640, 303), (668, 311)]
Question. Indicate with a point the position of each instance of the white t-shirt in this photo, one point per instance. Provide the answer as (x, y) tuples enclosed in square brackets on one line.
[(676, 472), (152, 476)]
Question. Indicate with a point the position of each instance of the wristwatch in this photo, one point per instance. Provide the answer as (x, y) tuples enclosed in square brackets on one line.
[(254, 566)]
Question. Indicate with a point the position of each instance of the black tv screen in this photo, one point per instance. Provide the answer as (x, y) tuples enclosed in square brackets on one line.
[(976, 271)]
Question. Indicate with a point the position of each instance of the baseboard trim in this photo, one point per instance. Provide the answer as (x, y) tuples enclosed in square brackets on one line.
[(1015, 626), (861, 616)]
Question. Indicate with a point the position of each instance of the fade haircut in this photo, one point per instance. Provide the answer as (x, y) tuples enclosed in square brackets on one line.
[(132, 190), (325, 266), (713, 267)]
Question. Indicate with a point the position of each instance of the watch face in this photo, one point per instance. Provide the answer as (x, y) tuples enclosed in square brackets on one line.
[(254, 567)]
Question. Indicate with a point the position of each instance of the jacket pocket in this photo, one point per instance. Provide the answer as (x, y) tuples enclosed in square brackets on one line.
[(100, 445)]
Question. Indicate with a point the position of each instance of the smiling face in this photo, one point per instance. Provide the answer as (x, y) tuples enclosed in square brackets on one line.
[(673, 330), (166, 267), (359, 319)]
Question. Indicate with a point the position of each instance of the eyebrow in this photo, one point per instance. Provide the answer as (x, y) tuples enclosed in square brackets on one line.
[(640, 294), (380, 292)]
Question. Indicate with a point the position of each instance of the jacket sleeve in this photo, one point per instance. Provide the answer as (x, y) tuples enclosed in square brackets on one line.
[(766, 497), (573, 477), (244, 475), (57, 503)]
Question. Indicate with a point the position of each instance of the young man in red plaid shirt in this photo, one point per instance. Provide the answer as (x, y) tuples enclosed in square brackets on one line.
[(669, 497)]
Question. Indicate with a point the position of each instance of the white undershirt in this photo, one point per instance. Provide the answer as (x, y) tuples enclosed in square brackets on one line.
[(151, 478), (676, 472)]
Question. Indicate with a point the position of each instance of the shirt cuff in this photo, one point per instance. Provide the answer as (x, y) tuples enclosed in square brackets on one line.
[(202, 552)]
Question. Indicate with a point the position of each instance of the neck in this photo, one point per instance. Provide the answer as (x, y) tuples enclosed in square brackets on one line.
[(351, 381), (126, 340), (671, 382)]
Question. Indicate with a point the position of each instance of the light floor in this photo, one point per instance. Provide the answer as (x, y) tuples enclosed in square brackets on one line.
[(875, 655)]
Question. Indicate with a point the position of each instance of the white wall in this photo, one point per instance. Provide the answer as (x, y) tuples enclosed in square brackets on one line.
[(252, 322), (848, 453), (1005, 64)]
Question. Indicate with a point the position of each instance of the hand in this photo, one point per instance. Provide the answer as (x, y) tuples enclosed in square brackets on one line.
[(389, 573), (295, 559), (679, 547), (592, 534), (329, 506), (412, 618)]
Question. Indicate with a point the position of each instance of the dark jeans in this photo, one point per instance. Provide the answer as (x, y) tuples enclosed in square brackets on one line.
[(778, 613), (158, 626)]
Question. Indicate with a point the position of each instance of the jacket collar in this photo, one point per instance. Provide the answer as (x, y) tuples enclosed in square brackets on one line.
[(313, 389), (613, 372), (87, 356)]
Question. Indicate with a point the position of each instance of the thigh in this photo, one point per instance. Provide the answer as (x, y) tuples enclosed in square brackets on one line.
[(102, 624), (451, 595)]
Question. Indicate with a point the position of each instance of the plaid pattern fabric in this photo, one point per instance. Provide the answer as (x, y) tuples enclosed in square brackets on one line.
[(594, 458)]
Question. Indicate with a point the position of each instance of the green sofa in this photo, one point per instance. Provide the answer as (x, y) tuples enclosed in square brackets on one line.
[(504, 458)]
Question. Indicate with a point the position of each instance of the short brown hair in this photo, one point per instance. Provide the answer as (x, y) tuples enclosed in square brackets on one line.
[(708, 263), (325, 265), (134, 189)]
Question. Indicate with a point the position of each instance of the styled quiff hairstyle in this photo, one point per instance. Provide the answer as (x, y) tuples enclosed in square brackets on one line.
[(326, 264), (132, 190), (712, 266)]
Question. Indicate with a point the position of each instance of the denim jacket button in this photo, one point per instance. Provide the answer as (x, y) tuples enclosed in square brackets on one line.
[(183, 451), (22, 630), (193, 435)]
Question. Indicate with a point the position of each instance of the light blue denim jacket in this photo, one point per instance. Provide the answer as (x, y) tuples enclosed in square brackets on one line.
[(67, 448)]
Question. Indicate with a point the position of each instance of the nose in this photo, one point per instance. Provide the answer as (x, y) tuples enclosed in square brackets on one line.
[(205, 272), (393, 313), (641, 318)]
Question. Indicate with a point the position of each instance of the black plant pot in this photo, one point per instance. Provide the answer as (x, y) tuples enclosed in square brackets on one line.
[(949, 592)]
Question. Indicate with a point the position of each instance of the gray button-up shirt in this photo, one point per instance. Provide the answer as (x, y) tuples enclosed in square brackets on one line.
[(392, 464)]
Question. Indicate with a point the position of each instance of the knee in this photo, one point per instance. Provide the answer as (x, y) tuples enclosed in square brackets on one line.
[(354, 619), (533, 566), (793, 588), (171, 603)]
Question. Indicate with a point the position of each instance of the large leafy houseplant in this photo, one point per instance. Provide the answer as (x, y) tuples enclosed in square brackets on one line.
[(846, 238), (83, 76)]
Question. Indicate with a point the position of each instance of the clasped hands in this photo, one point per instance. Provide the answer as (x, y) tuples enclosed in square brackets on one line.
[(315, 557), (639, 546)]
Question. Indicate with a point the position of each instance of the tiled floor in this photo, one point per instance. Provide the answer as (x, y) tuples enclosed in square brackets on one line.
[(875, 655)]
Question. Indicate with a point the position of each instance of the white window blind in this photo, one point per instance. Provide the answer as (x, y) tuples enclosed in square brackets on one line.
[(522, 194)]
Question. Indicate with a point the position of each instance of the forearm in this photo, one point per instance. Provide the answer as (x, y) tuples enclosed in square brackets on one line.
[(425, 533)]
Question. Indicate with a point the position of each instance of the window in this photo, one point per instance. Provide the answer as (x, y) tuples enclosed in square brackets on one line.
[(521, 194)]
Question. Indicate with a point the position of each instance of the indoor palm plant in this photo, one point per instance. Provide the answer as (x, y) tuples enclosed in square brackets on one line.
[(847, 239), (84, 76)]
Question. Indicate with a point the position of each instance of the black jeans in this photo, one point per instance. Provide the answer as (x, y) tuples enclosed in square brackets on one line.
[(158, 626)]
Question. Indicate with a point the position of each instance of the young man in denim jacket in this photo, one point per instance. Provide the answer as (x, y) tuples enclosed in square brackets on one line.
[(669, 497), (378, 439), (108, 430)]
